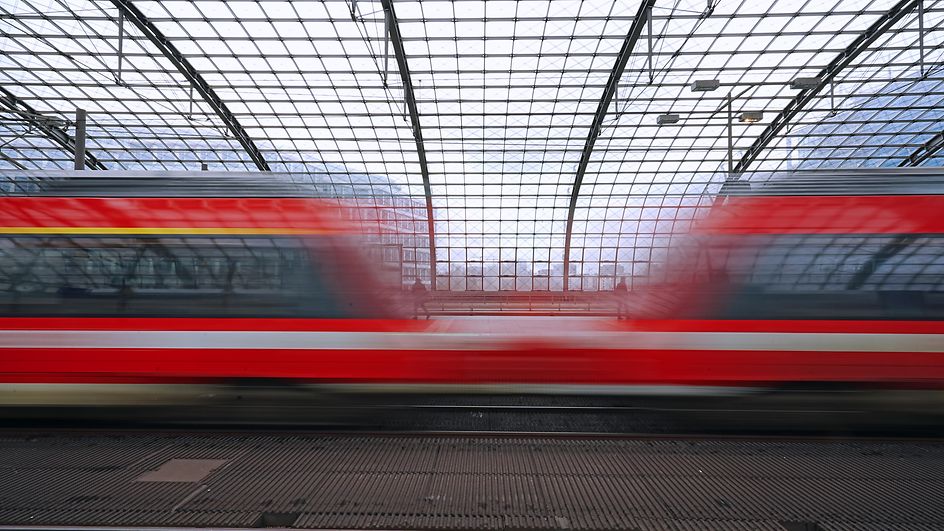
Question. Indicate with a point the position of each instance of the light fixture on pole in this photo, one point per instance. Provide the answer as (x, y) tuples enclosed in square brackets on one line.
[(750, 117), (667, 119), (705, 85), (730, 102)]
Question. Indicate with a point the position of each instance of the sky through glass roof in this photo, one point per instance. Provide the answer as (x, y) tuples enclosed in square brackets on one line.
[(506, 95)]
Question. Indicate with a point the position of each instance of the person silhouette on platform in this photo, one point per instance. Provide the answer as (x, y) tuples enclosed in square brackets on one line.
[(419, 298), (621, 294)]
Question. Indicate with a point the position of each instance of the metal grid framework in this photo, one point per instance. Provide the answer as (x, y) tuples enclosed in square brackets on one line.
[(510, 123)]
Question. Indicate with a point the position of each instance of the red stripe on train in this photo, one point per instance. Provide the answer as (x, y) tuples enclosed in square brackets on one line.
[(505, 324), (547, 366), (742, 215), (178, 212), (905, 214)]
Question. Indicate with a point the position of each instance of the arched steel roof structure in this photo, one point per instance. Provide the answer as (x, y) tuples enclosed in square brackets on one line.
[(541, 143), (128, 10)]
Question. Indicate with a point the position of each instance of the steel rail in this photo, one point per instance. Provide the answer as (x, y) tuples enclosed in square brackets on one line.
[(673, 15), (470, 38), (379, 101), (705, 115), (379, 86)]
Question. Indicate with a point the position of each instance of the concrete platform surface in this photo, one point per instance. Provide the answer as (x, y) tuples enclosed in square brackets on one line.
[(466, 482)]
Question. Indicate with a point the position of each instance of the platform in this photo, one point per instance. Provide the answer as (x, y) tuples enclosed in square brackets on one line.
[(467, 482)]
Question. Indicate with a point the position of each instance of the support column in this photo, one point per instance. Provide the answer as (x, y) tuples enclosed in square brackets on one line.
[(730, 138), (609, 92), (121, 43), (79, 139), (652, 75), (921, 35)]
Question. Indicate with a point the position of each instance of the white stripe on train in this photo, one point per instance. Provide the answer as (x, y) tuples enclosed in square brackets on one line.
[(761, 341)]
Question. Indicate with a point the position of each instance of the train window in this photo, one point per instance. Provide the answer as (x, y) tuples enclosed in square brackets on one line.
[(825, 276), (163, 276)]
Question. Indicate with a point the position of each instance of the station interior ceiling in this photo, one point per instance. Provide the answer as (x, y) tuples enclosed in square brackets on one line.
[(533, 144)]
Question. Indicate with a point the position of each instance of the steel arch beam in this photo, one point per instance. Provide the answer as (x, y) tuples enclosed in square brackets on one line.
[(925, 152), (797, 104), (196, 80), (12, 161), (398, 50), (55, 133), (635, 30)]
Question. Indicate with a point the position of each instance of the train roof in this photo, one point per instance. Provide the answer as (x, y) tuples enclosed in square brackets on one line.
[(173, 184), (839, 182), (833, 182)]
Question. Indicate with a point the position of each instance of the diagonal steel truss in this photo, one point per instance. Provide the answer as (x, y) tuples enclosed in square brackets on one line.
[(397, 41), (196, 80), (925, 152), (826, 76), (55, 133), (635, 30)]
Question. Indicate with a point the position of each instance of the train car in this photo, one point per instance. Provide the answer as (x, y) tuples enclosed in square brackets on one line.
[(127, 294), (813, 284), (134, 290)]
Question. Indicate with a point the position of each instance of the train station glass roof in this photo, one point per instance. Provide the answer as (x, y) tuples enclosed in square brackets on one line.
[(545, 136)]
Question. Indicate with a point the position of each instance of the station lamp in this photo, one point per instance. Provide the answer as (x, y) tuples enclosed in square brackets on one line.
[(805, 83), (667, 119), (750, 117), (705, 85)]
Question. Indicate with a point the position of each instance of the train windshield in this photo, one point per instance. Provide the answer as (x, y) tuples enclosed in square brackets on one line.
[(192, 276), (803, 276)]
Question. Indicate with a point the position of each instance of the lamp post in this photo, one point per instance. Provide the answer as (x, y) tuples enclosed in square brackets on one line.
[(749, 117), (79, 145), (730, 101)]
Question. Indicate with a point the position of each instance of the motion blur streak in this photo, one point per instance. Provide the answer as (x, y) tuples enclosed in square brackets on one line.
[(776, 290), (432, 340)]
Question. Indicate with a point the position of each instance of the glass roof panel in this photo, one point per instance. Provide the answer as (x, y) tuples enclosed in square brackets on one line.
[(506, 93)]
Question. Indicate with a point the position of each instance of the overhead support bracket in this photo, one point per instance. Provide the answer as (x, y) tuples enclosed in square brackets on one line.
[(652, 75), (730, 105), (925, 152), (386, 70), (635, 30), (921, 35), (153, 34), (826, 76), (13, 162), (49, 127), (393, 34), (79, 154), (121, 45), (832, 98)]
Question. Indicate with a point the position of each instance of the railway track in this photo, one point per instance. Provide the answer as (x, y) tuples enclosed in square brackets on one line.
[(537, 416)]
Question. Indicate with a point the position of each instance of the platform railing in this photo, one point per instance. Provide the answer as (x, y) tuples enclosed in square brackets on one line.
[(521, 303)]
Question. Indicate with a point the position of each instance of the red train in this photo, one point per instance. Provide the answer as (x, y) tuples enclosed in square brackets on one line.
[(132, 297)]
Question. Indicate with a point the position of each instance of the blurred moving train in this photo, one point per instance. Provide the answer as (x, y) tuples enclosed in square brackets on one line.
[(131, 293)]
